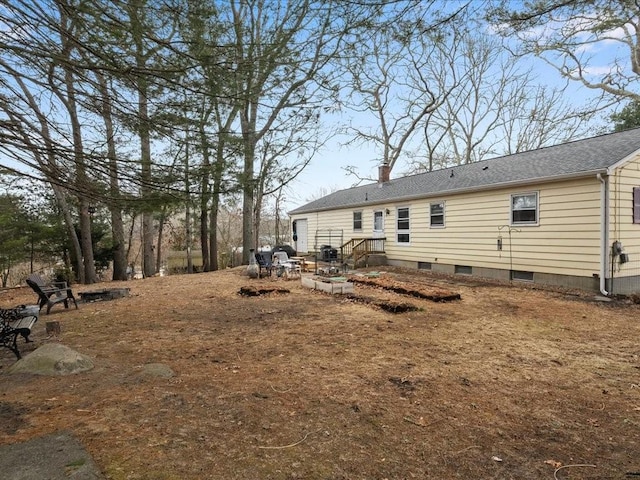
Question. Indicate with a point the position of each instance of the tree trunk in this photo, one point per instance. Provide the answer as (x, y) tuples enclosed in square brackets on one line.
[(86, 243), (130, 243), (187, 209), (119, 255), (204, 199), (148, 261), (213, 234), (257, 219), (71, 231), (276, 232), (204, 235), (82, 183), (248, 185), (218, 172), (114, 203), (159, 241), (144, 127)]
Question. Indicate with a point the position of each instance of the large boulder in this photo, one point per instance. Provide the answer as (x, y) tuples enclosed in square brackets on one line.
[(52, 359)]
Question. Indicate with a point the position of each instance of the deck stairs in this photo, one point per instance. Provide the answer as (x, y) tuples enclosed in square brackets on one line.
[(356, 251)]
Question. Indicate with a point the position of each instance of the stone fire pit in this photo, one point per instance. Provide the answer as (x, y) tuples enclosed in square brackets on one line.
[(104, 294)]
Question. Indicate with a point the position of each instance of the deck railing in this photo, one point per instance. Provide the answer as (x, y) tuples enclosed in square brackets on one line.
[(358, 248)]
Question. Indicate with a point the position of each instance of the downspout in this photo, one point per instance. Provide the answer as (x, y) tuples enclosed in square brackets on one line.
[(604, 232)]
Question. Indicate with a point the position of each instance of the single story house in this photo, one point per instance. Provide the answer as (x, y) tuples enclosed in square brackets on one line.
[(566, 215)]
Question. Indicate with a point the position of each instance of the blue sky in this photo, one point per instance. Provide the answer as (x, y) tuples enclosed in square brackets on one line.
[(326, 172)]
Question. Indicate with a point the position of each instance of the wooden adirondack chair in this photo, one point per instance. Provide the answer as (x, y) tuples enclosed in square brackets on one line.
[(51, 294)]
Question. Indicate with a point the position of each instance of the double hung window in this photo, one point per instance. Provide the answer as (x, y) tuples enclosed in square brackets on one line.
[(524, 209), (402, 225), (357, 221), (436, 212)]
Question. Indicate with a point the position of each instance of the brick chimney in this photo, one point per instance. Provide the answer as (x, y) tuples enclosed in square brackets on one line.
[(384, 172)]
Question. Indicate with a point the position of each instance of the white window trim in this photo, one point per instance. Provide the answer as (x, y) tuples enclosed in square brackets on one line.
[(444, 215), (525, 224), (361, 229), (399, 232)]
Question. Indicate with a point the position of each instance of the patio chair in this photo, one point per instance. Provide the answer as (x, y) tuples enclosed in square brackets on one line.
[(280, 257), (264, 262), (285, 266), (51, 294)]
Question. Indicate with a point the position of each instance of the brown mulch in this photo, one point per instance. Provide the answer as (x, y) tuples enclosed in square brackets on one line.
[(251, 291), (386, 305), (507, 382), (386, 282)]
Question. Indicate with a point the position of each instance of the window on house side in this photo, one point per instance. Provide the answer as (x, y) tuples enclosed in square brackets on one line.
[(437, 214), (524, 209), (636, 204), (402, 225), (357, 221)]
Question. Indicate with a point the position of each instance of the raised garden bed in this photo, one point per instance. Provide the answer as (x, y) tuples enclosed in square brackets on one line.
[(256, 292), (333, 285), (404, 288)]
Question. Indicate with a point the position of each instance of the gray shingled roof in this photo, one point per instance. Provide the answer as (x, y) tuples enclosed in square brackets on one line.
[(578, 158)]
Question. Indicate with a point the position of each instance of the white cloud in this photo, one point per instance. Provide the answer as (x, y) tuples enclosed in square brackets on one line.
[(598, 71)]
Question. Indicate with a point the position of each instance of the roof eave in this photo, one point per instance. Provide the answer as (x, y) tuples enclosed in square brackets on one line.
[(621, 163), (458, 191)]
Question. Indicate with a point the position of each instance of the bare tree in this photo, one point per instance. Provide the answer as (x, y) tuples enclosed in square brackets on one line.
[(142, 55), (394, 82), (496, 106), (570, 35), (539, 117), (284, 153), (282, 52)]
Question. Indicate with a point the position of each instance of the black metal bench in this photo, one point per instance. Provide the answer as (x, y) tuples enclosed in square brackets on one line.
[(16, 322)]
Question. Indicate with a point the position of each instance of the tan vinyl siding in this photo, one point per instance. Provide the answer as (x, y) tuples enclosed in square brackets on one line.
[(335, 221), (622, 227), (565, 240)]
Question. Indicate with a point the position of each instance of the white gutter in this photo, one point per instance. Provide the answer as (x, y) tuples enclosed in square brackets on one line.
[(604, 231)]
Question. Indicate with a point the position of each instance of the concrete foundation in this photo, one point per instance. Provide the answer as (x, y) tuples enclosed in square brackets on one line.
[(375, 260), (566, 281)]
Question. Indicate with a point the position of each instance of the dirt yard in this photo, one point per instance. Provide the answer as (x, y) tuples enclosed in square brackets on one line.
[(507, 382)]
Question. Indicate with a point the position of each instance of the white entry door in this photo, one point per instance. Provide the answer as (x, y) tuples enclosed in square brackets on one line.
[(378, 224), (300, 231)]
